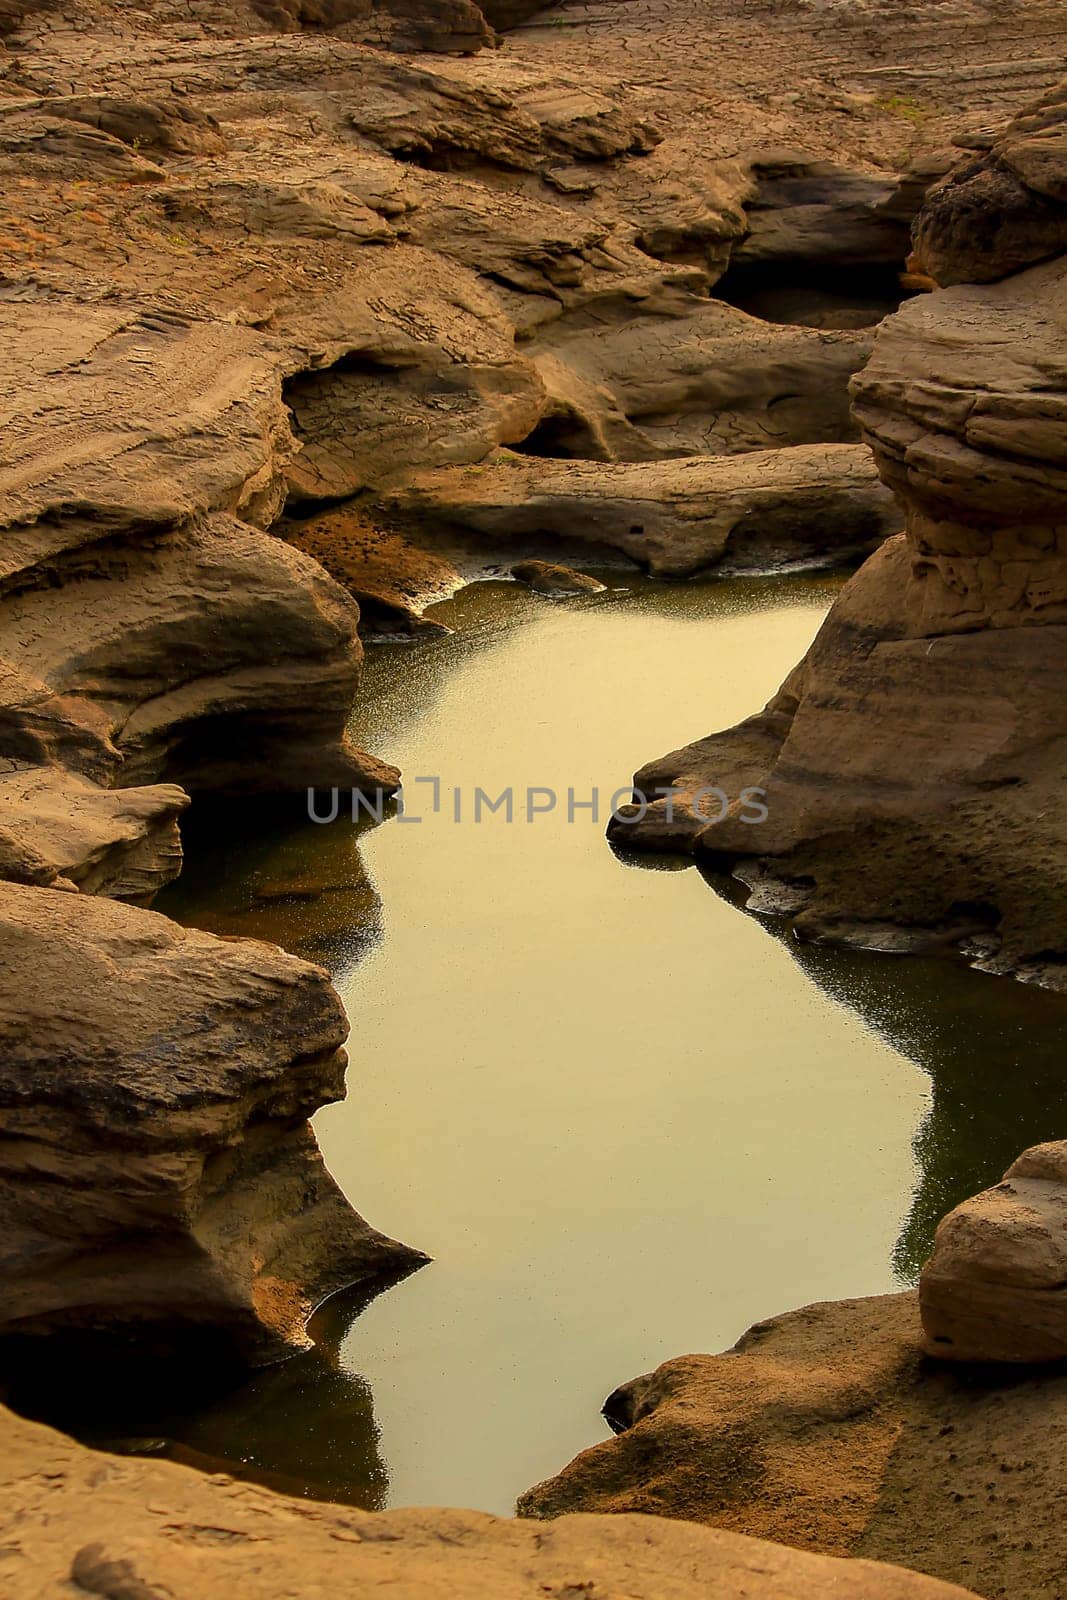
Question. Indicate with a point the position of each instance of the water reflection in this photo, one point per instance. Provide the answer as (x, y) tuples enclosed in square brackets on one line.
[(625, 1119), (260, 870), (303, 1427), (992, 1048)]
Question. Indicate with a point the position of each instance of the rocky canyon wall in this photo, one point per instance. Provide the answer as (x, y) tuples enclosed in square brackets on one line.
[(913, 763)]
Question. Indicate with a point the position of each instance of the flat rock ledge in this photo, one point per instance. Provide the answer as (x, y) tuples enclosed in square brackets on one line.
[(829, 1429), (808, 504), (159, 1173), (995, 1287), (75, 1522)]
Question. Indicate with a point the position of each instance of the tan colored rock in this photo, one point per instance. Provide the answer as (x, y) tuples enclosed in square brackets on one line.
[(675, 518), (73, 1519), (826, 1429), (58, 828), (912, 764), (683, 375), (392, 577), (995, 1287), (160, 1176), (1004, 208), (550, 578), (130, 603)]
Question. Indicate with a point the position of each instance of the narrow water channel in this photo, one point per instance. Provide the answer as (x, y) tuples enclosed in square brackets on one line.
[(625, 1118)]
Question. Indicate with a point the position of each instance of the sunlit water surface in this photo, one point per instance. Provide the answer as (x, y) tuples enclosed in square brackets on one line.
[(624, 1118)]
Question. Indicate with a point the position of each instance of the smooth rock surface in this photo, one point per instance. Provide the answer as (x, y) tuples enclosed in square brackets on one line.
[(825, 1428), (159, 1173), (77, 1522), (995, 1287), (547, 577)]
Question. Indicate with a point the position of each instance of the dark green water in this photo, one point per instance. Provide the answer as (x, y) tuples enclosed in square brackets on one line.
[(624, 1118)]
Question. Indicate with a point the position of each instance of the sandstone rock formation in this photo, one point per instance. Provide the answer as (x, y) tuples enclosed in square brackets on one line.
[(159, 1174), (913, 762), (59, 830), (674, 518), (824, 1428), (995, 1288), (75, 1521)]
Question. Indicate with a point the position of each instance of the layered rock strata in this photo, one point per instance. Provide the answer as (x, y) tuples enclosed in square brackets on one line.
[(912, 764), (674, 518), (159, 1174)]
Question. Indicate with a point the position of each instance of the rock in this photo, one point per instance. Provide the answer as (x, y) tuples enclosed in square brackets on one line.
[(109, 1526), (685, 375), (545, 577), (446, 25), (817, 212), (826, 1429), (810, 504), (1005, 208), (160, 1175), (137, 591), (995, 1288), (391, 576), (160, 124), (911, 764), (58, 828)]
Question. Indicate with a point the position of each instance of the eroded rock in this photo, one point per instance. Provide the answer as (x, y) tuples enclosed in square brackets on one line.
[(159, 1172), (675, 518), (58, 828), (548, 577), (912, 764), (995, 1287), (824, 1428)]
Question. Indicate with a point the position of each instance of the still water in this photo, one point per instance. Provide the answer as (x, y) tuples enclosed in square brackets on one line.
[(624, 1118)]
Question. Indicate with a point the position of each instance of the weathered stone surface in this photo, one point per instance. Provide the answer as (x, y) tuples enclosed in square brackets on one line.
[(73, 1519), (1005, 208), (995, 1288), (58, 829), (675, 518), (392, 577), (912, 764), (684, 375), (816, 212), (159, 1173), (138, 451), (826, 1429)]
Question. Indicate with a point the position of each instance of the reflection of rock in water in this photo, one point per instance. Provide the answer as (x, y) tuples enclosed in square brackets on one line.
[(993, 1050), (264, 871), (304, 1427)]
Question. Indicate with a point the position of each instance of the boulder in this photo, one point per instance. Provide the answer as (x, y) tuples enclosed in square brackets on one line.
[(140, 452), (827, 1430), (160, 1176), (1003, 208), (547, 577), (73, 1519), (995, 1287)]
